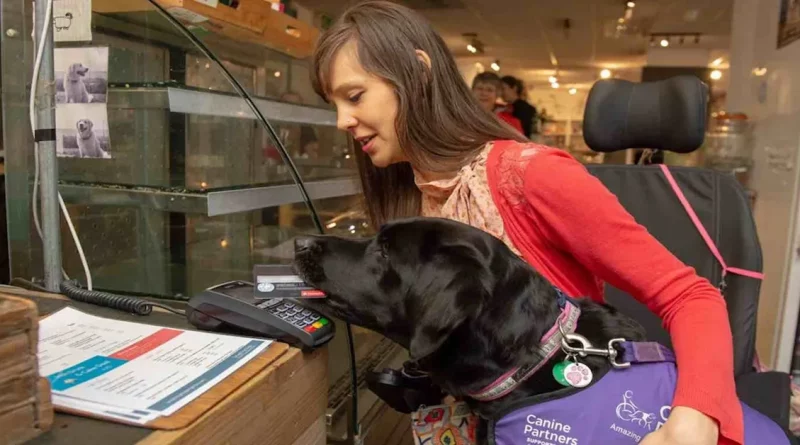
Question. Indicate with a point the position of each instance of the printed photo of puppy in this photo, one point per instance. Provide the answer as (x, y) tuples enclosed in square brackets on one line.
[(82, 132), (74, 86), (88, 144), (81, 75)]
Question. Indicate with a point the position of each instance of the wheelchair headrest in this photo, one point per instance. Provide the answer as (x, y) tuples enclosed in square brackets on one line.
[(664, 115)]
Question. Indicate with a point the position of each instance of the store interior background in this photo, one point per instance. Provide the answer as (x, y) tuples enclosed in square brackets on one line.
[(747, 51)]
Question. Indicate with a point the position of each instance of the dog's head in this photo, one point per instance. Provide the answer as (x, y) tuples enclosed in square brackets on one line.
[(84, 127), (77, 70), (419, 280)]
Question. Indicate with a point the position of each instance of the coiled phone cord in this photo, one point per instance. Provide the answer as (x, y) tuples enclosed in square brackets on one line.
[(133, 305)]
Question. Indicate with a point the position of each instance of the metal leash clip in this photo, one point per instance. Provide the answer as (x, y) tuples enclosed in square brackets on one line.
[(586, 347)]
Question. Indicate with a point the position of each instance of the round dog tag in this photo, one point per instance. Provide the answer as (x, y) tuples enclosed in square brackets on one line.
[(558, 372), (578, 375)]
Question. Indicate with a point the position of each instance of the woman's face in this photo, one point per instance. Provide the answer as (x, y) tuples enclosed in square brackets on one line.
[(486, 93), (366, 106)]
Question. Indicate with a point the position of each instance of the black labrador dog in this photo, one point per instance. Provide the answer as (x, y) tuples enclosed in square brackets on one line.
[(464, 305)]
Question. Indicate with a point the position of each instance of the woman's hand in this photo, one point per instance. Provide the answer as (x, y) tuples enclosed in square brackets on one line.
[(685, 426)]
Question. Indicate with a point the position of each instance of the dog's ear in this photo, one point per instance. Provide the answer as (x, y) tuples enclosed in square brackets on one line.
[(443, 313)]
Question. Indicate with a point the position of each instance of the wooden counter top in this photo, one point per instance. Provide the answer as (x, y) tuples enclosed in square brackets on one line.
[(284, 404)]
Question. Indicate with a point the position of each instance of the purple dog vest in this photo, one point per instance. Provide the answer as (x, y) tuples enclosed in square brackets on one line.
[(620, 407)]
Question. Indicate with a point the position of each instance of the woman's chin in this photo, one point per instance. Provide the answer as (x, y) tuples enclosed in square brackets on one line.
[(379, 159)]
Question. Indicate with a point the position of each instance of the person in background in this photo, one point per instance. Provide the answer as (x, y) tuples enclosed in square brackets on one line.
[(522, 110), (486, 86)]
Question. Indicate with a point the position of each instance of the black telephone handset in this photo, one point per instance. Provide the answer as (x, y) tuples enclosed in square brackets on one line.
[(232, 307)]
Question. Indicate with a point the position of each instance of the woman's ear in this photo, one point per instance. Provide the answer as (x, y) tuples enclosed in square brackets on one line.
[(424, 58)]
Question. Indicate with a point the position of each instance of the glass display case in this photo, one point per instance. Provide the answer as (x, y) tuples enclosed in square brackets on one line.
[(189, 188)]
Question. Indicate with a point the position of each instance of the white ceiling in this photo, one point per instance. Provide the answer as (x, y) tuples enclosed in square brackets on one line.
[(529, 38)]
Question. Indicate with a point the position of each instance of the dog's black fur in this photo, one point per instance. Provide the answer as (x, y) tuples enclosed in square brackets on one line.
[(465, 306)]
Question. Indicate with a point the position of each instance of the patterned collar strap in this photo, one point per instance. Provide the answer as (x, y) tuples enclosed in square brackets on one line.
[(550, 344)]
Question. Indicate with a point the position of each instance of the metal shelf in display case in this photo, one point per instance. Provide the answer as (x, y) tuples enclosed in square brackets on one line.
[(211, 203), (180, 99)]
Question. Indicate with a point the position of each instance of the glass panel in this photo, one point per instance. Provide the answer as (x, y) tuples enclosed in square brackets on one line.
[(188, 188)]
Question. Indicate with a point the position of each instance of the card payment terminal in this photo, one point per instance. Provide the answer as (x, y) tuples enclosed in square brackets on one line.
[(231, 306)]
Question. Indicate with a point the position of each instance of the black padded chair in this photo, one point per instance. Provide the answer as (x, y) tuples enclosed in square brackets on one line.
[(670, 115)]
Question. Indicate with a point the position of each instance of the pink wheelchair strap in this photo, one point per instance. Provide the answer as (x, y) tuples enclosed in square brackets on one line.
[(711, 246)]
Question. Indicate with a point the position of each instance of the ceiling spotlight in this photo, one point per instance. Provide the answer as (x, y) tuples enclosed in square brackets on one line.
[(760, 71), (631, 4), (716, 75), (664, 43), (605, 74), (472, 49), (496, 65), (573, 91), (553, 79), (717, 62), (554, 85), (277, 74)]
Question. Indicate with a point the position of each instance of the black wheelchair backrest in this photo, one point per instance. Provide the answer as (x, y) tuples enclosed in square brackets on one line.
[(671, 115)]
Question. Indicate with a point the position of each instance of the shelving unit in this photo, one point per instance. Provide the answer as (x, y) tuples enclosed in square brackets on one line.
[(567, 134), (250, 21), (212, 203), (188, 100), (195, 191)]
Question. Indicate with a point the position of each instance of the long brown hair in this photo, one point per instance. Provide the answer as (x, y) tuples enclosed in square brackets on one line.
[(440, 125)]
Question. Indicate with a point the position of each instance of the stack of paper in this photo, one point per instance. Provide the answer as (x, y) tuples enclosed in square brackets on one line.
[(131, 371)]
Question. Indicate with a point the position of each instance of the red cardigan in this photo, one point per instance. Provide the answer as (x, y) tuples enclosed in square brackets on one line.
[(575, 232)]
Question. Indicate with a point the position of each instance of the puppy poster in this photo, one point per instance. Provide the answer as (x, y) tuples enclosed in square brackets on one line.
[(81, 75), (82, 132), (81, 109)]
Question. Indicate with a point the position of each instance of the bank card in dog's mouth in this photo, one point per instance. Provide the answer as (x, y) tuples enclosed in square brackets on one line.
[(280, 281)]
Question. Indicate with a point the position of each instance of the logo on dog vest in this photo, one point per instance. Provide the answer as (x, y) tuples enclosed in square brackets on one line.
[(628, 411), (622, 407)]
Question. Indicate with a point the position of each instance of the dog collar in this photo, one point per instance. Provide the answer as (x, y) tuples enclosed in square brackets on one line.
[(550, 344)]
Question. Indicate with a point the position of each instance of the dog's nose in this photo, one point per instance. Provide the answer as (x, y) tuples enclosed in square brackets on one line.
[(303, 243)]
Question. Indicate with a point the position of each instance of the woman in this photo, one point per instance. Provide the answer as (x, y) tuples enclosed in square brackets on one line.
[(486, 86), (428, 148), (514, 94)]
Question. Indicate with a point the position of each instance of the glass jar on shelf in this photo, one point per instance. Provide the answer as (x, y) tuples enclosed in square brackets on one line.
[(729, 145)]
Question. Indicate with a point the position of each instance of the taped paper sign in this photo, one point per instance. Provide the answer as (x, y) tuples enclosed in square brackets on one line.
[(72, 20)]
